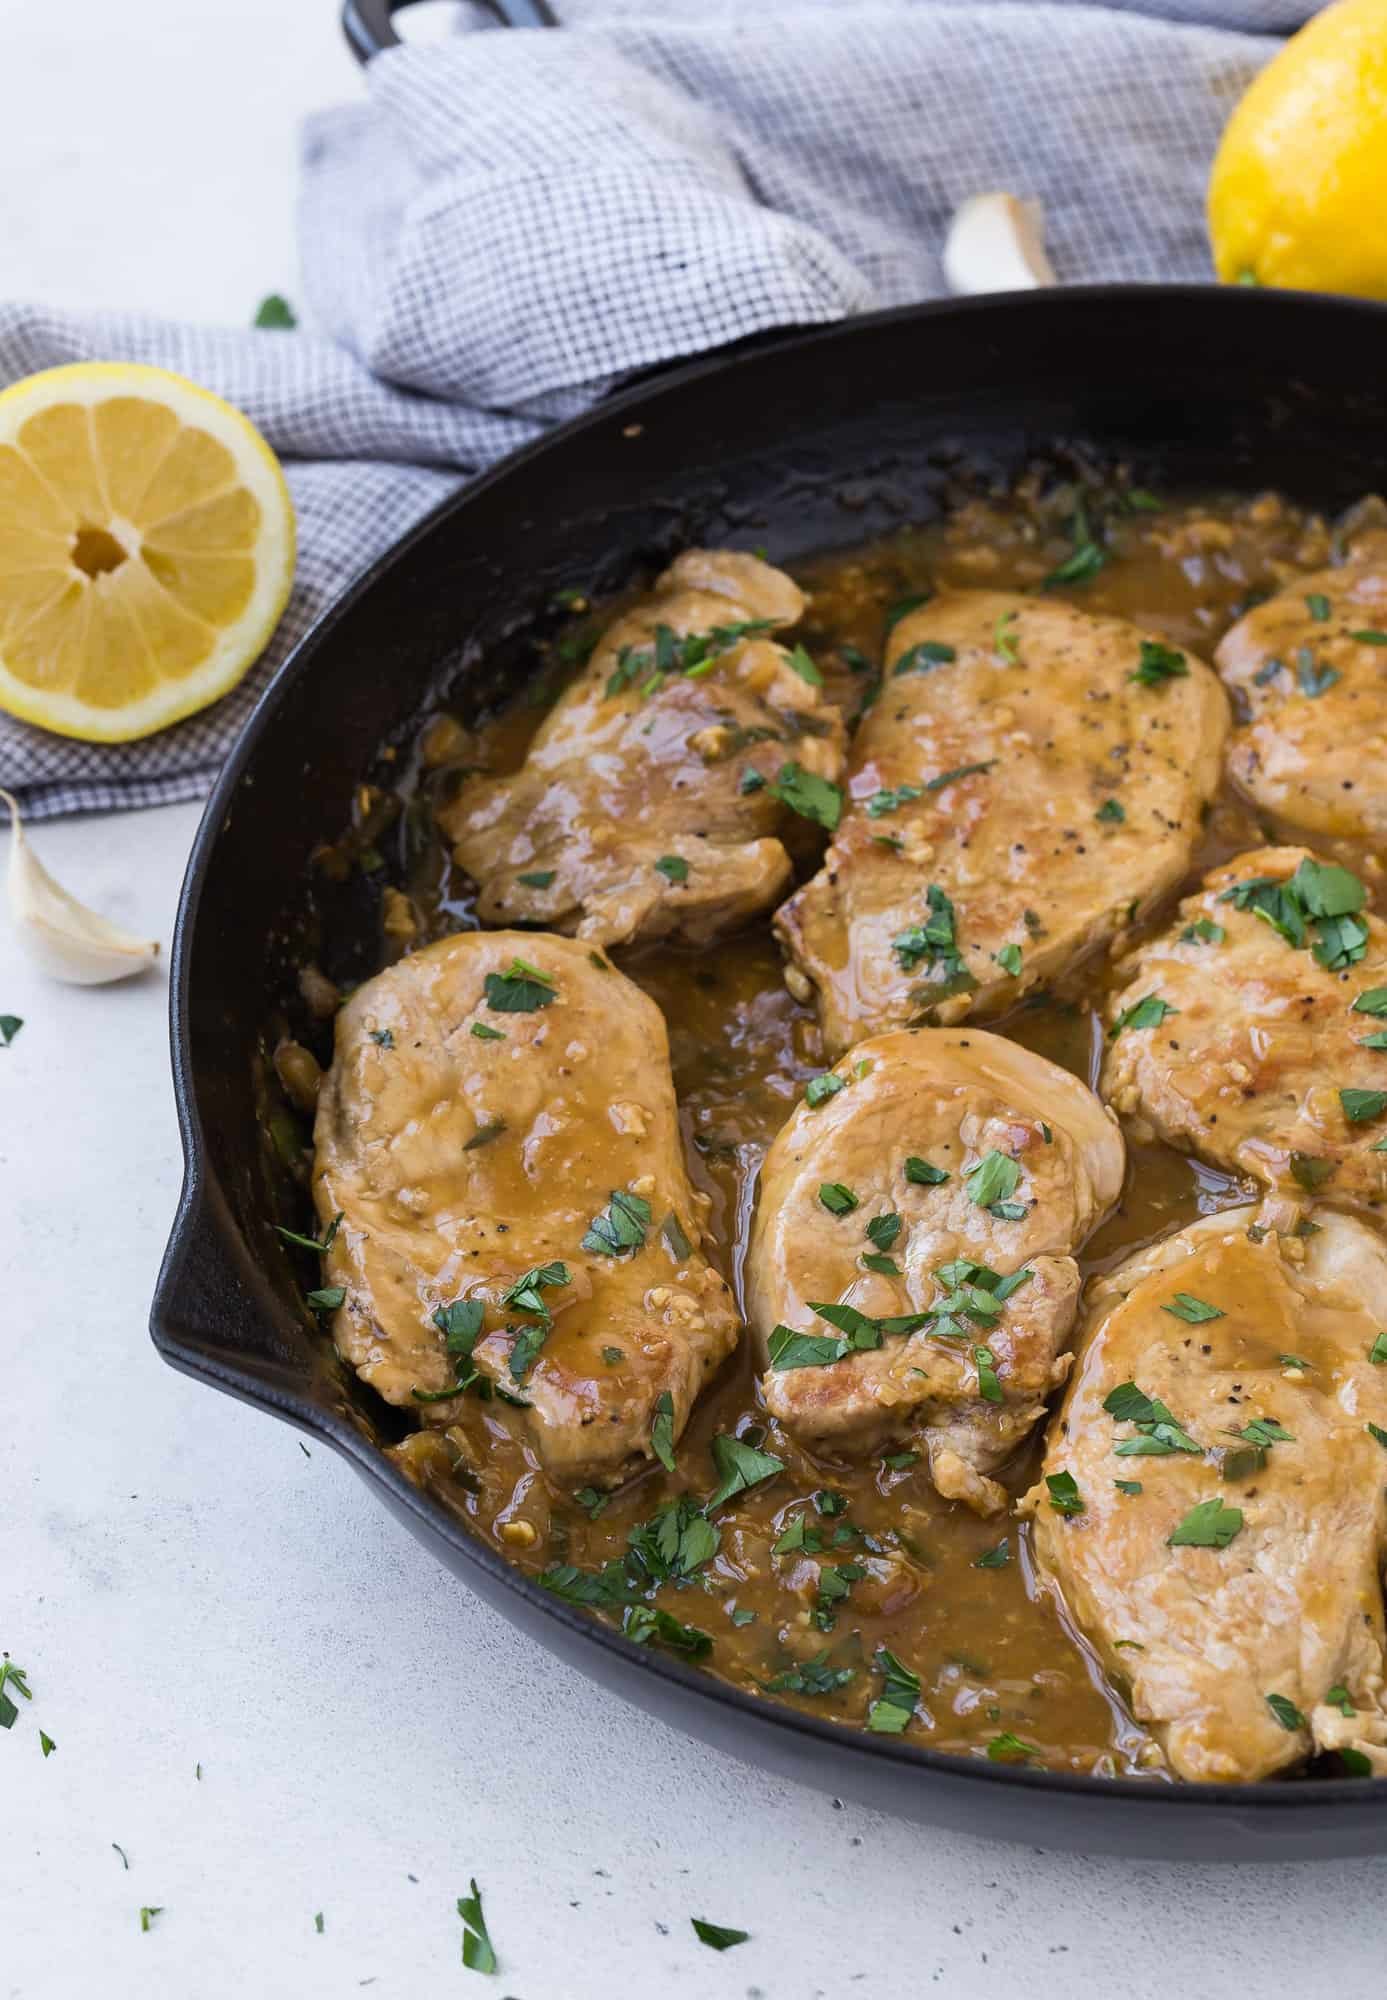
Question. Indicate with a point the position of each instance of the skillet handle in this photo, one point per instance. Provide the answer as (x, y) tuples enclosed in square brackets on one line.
[(369, 24)]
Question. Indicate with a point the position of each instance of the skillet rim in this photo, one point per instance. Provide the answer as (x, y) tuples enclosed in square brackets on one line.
[(204, 1212)]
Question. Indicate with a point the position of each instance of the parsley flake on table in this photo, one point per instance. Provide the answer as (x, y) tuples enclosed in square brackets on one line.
[(148, 1912), (14, 1677), (719, 1936), (10, 1025), (274, 314), (478, 1954)]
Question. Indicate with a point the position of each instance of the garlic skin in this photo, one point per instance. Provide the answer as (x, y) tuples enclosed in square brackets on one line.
[(64, 938), (996, 243)]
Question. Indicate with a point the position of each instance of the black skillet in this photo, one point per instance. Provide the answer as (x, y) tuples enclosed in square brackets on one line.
[(819, 438)]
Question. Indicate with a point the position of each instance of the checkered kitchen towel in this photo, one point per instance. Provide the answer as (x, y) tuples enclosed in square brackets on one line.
[(516, 220)]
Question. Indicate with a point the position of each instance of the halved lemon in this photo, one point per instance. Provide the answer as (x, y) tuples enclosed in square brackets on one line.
[(146, 549)]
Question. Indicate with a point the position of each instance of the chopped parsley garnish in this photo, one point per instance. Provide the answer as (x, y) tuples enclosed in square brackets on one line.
[(1087, 557), (891, 799), (935, 942), (836, 1198), (1310, 1173), (675, 1241), (992, 1180), (619, 1227), (1361, 1105), (1203, 932), (312, 1242), (1265, 1431), (1065, 1497), (1158, 664), (521, 989), (485, 1034), (1285, 1711), (804, 666), (959, 771), (1340, 1698), (890, 1714), (788, 1349), (477, 1952), (1317, 604), (526, 1348), (1376, 1431), (383, 1038), (811, 1677), (1378, 1351), (883, 1230), (923, 1173), (989, 1388), (820, 1088), (809, 795), (1313, 680), (14, 1677), (677, 1540), (327, 1298), (1158, 1434), (994, 1558), (540, 878), (885, 1267), (1008, 1748), (10, 1025), (1193, 1311), (1128, 1486), (922, 659), (751, 781), (611, 1355), (527, 1289), (1208, 1525), (1267, 673), (673, 867), (1146, 1013), (740, 1467), (1112, 811), (693, 655), (717, 1935), (484, 1134), (903, 607), (1005, 642), (662, 1430), (591, 1501), (1009, 958), (1370, 637), (643, 1624), (1321, 896)]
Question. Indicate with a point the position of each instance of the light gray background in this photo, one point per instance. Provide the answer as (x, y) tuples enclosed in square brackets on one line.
[(185, 1586)]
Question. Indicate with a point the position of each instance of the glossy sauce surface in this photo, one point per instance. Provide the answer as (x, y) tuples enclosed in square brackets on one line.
[(993, 1655)]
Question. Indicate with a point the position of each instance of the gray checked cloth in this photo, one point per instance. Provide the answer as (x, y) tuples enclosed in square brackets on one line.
[(515, 220)]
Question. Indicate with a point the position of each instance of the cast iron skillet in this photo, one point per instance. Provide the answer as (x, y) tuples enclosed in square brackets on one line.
[(818, 438)]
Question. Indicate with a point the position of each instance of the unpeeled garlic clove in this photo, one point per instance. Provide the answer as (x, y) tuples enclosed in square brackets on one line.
[(64, 938), (996, 243)]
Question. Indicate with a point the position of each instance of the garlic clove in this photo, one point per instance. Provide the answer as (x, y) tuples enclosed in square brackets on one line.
[(64, 938), (996, 243)]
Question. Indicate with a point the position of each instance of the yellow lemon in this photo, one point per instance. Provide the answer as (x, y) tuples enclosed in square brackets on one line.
[(146, 549), (1298, 193)]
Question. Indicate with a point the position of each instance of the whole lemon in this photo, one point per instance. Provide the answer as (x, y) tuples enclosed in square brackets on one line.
[(1298, 192)]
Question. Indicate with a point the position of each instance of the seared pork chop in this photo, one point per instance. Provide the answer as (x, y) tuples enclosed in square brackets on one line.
[(1251, 1031), (659, 797), (500, 1138), (1029, 780), (1213, 1502), (911, 1267), (1309, 667)]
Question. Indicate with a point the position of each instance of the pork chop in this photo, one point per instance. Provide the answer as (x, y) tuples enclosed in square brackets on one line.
[(669, 787), (911, 1269), (499, 1135), (1251, 1032), (1029, 780), (1212, 1509)]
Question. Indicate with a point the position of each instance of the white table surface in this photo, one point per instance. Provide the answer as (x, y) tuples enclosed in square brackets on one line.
[(186, 1587)]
